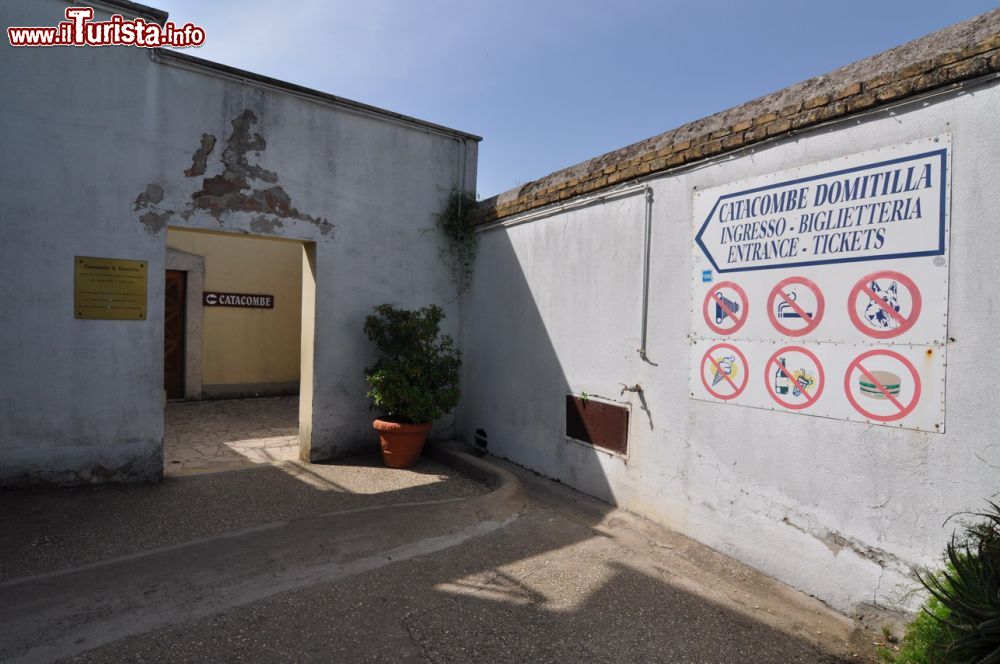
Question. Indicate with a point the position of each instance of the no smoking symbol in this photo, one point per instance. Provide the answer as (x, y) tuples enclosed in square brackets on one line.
[(725, 307), (724, 371), (795, 306), (884, 304), (882, 385), (794, 377)]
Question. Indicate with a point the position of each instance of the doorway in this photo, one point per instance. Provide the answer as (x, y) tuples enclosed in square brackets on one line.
[(175, 312), (238, 348)]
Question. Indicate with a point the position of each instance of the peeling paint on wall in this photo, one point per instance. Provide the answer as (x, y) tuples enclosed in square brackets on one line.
[(155, 221), (199, 162), (264, 224), (837, 542), (226, 192), (153, 194), (234, 189)]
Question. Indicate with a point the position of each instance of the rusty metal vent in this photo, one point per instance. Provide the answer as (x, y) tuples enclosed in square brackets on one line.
[(601, 424)]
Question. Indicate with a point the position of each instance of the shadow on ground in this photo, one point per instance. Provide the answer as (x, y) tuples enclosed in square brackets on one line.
[(556, 582), (42, 530), (546, 588)]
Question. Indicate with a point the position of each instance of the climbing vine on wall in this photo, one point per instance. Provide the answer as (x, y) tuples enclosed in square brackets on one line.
[(455, 223)]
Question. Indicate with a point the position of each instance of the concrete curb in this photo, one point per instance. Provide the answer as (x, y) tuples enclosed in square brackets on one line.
[(86, 608), (508, 496)]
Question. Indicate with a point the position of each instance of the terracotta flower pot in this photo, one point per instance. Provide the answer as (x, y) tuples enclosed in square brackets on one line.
[(401, 443)]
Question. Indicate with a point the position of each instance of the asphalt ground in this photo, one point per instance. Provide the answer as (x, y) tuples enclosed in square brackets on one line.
[(42, 530), (489, 564)]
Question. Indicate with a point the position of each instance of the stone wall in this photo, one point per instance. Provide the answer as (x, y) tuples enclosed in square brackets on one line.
[(958, 53)]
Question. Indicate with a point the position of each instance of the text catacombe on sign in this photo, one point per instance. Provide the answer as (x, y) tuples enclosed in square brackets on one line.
[(244, 300), (886, 210), (835, 272)]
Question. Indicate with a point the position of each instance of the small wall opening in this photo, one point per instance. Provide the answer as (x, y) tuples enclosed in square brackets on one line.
[(598, 423), (480, 443)]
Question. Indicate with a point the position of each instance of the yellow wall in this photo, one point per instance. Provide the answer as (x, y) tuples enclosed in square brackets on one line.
[(248, 346)]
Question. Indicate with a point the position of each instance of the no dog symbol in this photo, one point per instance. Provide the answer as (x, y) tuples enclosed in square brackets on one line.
[(884, 304), (794, 377), (725, 307), (724, 371)]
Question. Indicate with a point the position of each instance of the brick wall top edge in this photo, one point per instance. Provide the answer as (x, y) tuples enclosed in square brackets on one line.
[(966, 49)]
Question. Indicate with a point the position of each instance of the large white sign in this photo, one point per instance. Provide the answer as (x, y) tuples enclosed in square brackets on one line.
[(823, 290)]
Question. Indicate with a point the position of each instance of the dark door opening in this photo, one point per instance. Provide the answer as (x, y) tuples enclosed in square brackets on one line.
[(173, 334)]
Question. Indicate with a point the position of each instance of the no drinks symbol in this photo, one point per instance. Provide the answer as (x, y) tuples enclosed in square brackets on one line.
[(725, 308), (795, 306), (724, 371), (794, 377), (884, 304)]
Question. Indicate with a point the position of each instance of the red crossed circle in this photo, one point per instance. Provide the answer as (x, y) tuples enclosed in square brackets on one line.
[(773, 363), (862, 288), (812, 322), (902, 410), (737, 389), (711, 300)]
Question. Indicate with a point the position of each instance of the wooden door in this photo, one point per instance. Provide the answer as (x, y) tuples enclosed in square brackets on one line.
[(173, 334)]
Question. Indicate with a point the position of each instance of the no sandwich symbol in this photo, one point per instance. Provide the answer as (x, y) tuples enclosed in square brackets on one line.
[(882, 385)]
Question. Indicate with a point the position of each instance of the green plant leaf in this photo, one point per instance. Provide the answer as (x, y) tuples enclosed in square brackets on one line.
[(965, 597), (455, 223), (415, 379)]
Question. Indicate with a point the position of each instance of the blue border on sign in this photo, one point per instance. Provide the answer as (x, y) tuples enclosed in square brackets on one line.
[(943, 153)]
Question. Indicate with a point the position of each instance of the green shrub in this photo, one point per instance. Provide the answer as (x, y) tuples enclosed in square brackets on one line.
[(970, 592), (416, 378), (926, 633), (960, 622)]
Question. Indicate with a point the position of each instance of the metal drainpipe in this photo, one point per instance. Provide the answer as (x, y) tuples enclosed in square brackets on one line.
[(645, 272)]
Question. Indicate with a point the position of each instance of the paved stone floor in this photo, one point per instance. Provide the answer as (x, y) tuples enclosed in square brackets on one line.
[(212, 436)]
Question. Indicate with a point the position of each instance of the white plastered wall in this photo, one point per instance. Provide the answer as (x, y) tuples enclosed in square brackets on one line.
[(841, 510)]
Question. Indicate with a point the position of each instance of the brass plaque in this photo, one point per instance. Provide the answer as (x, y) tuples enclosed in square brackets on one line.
[(110, 288)]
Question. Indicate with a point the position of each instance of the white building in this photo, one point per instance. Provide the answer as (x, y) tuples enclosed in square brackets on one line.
[(585, 330)]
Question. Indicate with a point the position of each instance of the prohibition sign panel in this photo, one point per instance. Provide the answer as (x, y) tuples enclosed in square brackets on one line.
[(879, 379), (724, 371), (795, 306), (884, 304), (794, 377), (725, 307)]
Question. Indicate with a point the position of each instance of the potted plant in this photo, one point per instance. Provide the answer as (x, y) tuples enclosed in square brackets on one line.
[(414, 381)]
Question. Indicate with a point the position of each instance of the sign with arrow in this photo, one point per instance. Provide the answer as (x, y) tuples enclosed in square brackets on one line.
[(796, 274)]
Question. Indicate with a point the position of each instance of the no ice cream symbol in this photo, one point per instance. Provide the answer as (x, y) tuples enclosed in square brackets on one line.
[(882, 385), (725, 308), (794, 377), (884, 304), (795, 306), (724, 371)]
